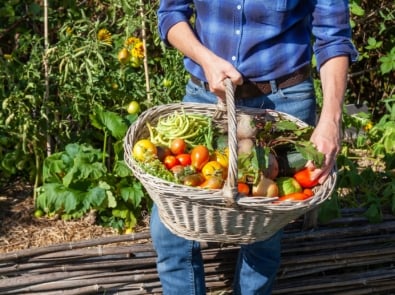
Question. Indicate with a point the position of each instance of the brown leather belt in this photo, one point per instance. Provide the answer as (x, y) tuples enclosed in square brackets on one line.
[(252, 89)]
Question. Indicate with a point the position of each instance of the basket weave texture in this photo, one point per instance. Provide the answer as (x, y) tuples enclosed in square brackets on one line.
[(218, 215)]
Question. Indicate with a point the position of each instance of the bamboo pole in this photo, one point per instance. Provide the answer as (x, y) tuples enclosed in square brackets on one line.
[(145, 60)]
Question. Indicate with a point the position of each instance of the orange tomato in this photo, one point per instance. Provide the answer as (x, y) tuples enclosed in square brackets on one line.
[(293, 197), (200, 155), (308, 192), (243, 188), (213, 168), (178, 146), (212, 182), (193, 179)]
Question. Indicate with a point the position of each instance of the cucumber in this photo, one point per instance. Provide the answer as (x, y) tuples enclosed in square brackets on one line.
[(290, 162)]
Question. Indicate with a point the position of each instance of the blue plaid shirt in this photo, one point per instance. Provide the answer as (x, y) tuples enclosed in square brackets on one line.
[(264, 39)]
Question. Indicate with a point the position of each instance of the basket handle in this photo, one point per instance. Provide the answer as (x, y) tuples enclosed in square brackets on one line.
[(230, 190)]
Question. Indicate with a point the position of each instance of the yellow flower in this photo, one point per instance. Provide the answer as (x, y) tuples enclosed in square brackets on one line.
[(7, 57), (104, 36), (138, 50), (368, 126), (69, 31), (129, 42)]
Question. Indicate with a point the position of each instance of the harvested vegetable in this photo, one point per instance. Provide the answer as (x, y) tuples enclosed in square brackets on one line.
[(305, 179), (288, 185), (272, 170), (265, 188), (245, 127), (293, 197), (194, 129)]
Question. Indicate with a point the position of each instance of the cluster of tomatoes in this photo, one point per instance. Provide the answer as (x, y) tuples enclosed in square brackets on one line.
[(196, 167)]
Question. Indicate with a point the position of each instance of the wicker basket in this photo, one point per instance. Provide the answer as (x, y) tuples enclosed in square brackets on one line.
[(218, 215)]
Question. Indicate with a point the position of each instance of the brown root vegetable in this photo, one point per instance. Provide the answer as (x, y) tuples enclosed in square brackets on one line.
[(245, 127), (272, 170), (265, 188), (245, 146)]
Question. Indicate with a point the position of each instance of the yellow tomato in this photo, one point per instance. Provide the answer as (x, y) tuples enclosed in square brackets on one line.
[(133, 107), (144, 150), (222, 158), (213, 169), (123, 56)]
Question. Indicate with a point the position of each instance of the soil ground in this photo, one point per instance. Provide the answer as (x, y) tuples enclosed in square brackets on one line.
[(19, 229)]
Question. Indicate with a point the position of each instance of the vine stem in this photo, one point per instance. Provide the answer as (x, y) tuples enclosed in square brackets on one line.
[(144, 38)]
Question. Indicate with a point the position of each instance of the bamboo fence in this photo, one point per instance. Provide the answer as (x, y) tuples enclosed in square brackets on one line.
[(348, 256)]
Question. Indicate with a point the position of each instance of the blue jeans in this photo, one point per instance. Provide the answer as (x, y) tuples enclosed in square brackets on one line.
[(179, 261)]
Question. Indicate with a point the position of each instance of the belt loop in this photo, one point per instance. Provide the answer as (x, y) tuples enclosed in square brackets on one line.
[(273, 86)]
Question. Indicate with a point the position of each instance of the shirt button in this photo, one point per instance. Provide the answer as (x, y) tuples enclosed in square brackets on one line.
[(237, 32), (238, 7), (233, 57)]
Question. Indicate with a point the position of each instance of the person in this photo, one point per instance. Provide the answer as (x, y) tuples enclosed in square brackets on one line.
[(265, 48)]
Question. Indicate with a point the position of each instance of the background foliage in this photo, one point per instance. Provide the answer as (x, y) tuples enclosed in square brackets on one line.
[(64, 96)]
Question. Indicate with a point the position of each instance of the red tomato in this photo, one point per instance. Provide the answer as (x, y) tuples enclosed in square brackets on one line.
[(178, 146), (200, 155), (170, 161), (243, 188), (184, 159), (304, 178)]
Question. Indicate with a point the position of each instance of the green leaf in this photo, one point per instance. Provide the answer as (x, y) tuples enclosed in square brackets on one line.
[(356, 9), (112, 202), (95, 197), (133, 194), (105, 120), (373, 213), (329, 210), (121, 169), (309, 152)]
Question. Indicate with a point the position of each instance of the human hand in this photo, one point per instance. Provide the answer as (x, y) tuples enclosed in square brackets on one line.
[(216, 71), (327, 139)]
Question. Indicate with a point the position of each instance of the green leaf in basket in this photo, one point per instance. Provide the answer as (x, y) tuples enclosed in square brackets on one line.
[(309, 152)]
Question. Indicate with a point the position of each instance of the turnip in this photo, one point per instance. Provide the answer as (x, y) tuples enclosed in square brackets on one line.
[(245, 127), (245, 146), (265, 188)]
